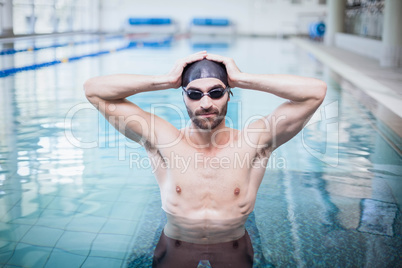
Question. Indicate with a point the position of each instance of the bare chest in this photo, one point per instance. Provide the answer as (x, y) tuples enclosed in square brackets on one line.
[(205, 183)]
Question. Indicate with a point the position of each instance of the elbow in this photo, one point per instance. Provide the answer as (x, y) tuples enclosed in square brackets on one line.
[(89, 88), (321, 91)]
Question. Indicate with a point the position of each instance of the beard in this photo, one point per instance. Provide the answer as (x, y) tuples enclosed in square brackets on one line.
[(208, 123)]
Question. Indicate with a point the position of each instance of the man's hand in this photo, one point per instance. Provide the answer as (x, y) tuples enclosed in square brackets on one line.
[(177, 70), (231, 68)]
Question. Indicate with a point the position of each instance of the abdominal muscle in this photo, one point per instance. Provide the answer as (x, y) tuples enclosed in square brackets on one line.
[(204, 231), (214, 212)]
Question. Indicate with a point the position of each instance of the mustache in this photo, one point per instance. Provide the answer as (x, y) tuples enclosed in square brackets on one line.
[(209, 111)]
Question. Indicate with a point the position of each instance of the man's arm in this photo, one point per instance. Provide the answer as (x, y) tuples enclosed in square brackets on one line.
[(108, 94), (304, 96)]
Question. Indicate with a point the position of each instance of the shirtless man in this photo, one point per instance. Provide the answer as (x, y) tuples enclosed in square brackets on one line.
[(207, 203)]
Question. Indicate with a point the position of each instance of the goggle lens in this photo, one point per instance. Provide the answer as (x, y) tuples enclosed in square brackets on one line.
[(216, 93), (194, 95)]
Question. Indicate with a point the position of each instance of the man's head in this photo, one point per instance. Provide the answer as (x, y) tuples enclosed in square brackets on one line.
[(205, 84), (204, 69)]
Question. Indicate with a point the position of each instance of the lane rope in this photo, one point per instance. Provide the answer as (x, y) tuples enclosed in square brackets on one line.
[(131, 45)]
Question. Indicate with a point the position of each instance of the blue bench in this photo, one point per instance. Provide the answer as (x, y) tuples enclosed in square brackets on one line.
[(149, 21), (211, 22)]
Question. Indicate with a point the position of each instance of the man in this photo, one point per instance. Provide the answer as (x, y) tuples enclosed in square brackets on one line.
[(208, 202)]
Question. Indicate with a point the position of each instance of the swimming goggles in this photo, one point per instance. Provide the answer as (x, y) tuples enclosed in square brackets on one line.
[(215, 93)]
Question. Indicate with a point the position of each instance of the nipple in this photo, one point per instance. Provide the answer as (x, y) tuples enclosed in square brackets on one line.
[(178, 189), (237, 191)]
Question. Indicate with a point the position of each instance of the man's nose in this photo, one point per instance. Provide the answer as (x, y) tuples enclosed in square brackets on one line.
[(206, 102)]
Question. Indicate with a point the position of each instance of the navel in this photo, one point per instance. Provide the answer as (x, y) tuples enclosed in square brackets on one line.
[(237, 191), (178, 189)]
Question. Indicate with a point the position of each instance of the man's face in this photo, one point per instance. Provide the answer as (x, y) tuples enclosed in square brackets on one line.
[(206, 113)]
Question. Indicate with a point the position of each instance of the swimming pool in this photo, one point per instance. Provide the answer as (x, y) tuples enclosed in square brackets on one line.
[(75, 193)]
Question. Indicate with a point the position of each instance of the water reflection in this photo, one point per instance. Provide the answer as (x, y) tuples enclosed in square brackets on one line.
[(163, 251), (176, 253)]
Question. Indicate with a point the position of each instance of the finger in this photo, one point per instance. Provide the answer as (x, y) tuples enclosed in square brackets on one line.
[(198, 55), (194, 58), (216, 58)]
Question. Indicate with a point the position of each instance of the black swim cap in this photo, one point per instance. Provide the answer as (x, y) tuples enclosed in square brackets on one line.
[(204, 69)]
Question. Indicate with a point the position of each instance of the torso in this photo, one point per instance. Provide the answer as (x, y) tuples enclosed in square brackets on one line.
[(207, 193)]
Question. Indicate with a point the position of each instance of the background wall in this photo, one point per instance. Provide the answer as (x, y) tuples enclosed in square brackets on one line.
[(260, 17)]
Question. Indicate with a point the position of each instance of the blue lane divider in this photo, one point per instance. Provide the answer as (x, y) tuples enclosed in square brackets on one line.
[(211, 21), (133, 44), (13, 51)]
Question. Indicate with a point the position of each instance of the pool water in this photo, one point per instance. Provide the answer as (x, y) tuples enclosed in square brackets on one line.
[(75, 193)]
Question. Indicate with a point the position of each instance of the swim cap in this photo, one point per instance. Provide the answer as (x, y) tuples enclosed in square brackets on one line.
[(204, 69)]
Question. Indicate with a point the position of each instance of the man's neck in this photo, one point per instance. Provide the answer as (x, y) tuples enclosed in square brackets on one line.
[(206, 139)]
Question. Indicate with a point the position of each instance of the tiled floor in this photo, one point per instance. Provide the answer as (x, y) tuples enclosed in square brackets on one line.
[(58, 236)]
